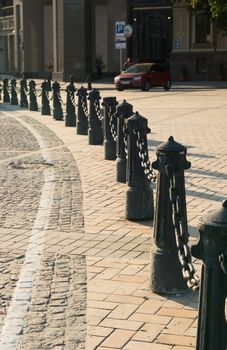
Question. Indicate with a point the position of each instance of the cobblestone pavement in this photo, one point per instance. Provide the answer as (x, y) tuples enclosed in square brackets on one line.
[(121, 312)]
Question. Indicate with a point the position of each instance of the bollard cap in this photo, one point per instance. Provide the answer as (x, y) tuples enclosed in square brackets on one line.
[(216, 218), (124, 108), (171, 145)]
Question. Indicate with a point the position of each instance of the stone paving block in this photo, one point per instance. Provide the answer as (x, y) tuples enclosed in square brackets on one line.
[(118, 338)]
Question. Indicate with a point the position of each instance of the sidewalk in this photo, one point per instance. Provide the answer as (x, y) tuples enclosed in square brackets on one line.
[(122, 313)]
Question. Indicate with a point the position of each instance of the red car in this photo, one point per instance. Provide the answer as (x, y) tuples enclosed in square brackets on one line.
[(144, 76)]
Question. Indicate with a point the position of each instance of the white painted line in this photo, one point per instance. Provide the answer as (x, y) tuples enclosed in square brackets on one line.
[(12, 332)]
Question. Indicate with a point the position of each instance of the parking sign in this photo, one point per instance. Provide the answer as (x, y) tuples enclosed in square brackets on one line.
[(120, 28)]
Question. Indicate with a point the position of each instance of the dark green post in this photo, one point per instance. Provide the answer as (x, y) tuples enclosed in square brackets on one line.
[(70, 118), (95, 131), (45, 109), (57, 108), (124, 110), (139, 195), (212, 250), (82, 111), (33, 105), (166, 271), (109, 104), (14, 99), (23, 93), (6, 97)]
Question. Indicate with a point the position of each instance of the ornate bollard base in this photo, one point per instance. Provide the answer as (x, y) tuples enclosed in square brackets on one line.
[(139, 203), (109, 149), (166, 276), (70, 120), (45, 111), (121, 170), (95, 136), (82, 128)]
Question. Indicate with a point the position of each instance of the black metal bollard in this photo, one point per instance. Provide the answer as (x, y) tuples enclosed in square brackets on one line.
[(6, 97), (166, 272), (139, 195), (70, 118), (95, 131), (82, 111), (14, 99), (57, 108), (109, 104), (33, 105), (45, 109), (212, 249), (89, 86), (124, 110), (23, 93)]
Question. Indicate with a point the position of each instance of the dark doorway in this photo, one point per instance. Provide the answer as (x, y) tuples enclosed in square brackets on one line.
[(152, 37)]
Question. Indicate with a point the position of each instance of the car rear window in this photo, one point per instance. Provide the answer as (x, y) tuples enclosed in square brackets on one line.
[(139, 69)]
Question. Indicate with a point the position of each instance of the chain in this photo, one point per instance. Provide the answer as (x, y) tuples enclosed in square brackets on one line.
[(144, 158), (25, 91), (184, 253), (125, 138), (111, 123), (72, 99), (84, 107), (98, 110), (60, 99)]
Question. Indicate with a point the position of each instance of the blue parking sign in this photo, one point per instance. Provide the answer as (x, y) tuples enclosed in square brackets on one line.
[(119, 28)]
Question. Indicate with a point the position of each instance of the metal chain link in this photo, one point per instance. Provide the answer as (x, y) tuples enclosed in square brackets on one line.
[(144, 158), (84, 107), (72, 99), (25, 91), (125, 138), (60, 99), (111, 123), (98, 110), (184, 253)]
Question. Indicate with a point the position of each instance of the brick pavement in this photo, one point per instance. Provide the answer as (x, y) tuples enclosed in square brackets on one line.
[(122, 313)]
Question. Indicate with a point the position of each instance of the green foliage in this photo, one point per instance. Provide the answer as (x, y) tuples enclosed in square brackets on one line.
[(217, 9)]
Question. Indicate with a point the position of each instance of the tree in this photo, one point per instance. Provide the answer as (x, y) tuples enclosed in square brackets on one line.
[(217, 9)]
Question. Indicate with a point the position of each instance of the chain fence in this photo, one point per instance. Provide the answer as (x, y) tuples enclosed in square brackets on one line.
[(181, 235)]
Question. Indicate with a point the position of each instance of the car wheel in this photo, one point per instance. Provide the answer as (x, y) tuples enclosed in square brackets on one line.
[(119, 88), (146, 86), (167, 85)]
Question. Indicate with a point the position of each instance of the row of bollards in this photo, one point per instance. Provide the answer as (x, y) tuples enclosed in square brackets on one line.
[(124, 136)]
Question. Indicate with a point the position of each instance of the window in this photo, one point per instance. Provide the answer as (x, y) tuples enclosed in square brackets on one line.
[(202, 27), (6, 8)]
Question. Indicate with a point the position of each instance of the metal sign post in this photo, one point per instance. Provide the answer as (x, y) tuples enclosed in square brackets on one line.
[(120, 40)]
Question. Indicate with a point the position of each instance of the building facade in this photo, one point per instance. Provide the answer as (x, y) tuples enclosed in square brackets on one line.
[(63, 37)]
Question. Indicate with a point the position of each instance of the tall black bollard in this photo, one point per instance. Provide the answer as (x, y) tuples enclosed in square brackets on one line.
[(6, 97), (82, 111), (14, 99), (212, 249), (57, 108), (139, 195), (166, 272), (45, 109), (109, 104), (124, 110), (70, 118), (33, 105), (95, 131), (23, 93)]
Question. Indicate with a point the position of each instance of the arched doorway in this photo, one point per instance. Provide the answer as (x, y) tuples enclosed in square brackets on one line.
[(152, 34)]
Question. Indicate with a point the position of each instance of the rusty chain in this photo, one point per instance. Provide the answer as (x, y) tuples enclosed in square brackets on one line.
[(144, 158), (98, 110), (184, 253)]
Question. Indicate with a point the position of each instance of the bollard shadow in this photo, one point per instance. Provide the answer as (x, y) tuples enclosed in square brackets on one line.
[(217, 174)]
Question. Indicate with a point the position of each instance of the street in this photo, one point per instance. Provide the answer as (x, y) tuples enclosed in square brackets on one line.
[(74, 274)]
